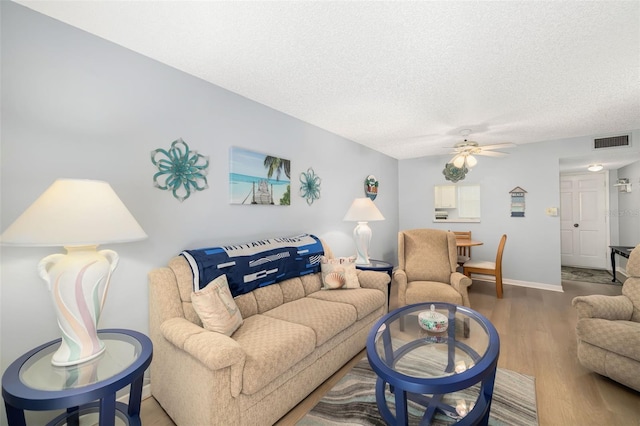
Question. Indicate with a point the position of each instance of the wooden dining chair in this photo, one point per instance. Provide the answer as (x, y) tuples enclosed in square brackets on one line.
[(487, 267), (464, 253)]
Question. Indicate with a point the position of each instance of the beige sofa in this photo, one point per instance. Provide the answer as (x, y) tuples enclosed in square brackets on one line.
[(608, 329), (294, 336)]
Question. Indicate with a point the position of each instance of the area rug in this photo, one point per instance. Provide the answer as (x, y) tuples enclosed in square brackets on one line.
[(596, 276), (352, 402)]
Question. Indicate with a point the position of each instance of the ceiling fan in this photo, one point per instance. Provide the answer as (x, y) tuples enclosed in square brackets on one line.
[(465, 151)]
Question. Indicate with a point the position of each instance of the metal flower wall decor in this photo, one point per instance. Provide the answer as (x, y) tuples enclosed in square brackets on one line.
[(181, 170), (453, 173), (310, 186)]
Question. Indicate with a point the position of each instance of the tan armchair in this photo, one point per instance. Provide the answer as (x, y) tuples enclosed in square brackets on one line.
[(608, 329), (427, 262)]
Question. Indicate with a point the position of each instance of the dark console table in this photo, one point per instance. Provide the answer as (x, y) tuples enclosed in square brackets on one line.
[(623, 251)]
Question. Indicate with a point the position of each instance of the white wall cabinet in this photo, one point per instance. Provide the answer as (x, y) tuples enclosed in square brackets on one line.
[(445, 196)]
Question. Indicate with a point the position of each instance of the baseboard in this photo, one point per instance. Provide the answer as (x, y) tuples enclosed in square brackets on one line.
[(518, 283), (146, 393), (623, 273)]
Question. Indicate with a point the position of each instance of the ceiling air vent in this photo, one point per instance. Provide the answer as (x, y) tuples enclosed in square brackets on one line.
[(611, 142)]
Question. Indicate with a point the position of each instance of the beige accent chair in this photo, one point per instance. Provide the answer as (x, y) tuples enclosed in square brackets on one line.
[(486, 267), (608, 329), (427, 262)]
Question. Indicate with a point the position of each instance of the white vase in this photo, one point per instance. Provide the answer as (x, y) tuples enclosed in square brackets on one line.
[(78, 282)]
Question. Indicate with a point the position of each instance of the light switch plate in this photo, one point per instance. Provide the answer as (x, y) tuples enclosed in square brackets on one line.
[(552, 211)]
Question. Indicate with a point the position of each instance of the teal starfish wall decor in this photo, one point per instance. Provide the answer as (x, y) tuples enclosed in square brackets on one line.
[(181, 170), (310, 186)]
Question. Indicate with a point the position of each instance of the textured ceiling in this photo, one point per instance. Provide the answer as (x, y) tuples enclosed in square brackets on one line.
[(403, 78)]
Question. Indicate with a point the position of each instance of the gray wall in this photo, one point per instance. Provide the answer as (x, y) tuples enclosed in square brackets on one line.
[(532, 252), (77, 106)]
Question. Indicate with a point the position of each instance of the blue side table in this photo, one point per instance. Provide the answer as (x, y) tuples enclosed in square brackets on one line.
[(380, 266), (33, 383), (434, 371)]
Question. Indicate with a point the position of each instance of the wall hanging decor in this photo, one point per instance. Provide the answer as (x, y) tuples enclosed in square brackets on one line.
[(256, 178), (453, 173), (371, 187), (517, 201), (310, 186), (181, 170)]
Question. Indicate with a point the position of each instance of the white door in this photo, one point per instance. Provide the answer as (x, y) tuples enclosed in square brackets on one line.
[(583, 222)]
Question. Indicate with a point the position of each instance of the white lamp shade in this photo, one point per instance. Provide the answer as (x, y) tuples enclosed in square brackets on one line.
[(363, 210), (74, 212), (458, 161), (471, 161)]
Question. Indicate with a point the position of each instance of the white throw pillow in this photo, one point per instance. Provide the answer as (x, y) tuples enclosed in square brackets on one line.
[(216, 308), (339, 272)]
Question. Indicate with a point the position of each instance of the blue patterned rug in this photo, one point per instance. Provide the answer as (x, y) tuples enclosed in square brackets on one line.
[(352, 401)]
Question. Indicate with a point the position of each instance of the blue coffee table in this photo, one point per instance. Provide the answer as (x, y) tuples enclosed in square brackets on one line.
[(431, 374), (33, 383)]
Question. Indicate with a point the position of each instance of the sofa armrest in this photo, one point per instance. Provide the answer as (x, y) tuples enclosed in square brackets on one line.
[(214, 350), (604, 307), (374, 279)]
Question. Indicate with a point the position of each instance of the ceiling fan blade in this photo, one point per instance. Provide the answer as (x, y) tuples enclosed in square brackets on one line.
[(498, 145), (492, 153)]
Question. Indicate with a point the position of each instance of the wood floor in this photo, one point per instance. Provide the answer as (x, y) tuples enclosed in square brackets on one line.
[(537, 337)]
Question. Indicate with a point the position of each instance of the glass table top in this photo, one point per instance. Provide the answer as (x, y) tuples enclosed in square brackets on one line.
[(409, 349), (121, 351)]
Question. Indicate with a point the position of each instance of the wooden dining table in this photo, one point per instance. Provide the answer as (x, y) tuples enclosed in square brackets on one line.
[(465, 242)]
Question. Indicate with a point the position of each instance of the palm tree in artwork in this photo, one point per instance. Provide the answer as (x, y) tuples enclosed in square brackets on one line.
[(277, 165)]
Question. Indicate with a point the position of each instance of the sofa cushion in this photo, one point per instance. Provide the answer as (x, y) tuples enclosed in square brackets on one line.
[(621, 337), (311, 283), (271, 346), (268, 297), (325, 318), (216, 308), (424, 291), (338, 273), (364, 300)]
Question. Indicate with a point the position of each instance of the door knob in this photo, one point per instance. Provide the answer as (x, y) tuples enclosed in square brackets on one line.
[(575, 225)]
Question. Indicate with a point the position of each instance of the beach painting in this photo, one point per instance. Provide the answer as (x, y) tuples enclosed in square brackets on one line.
[(257, 178)]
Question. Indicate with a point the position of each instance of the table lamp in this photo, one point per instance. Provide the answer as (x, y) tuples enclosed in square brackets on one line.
[(362, 210), (77, 215)]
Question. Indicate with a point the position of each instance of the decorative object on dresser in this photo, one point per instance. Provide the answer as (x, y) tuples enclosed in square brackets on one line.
[(362, 210), (78, 215)]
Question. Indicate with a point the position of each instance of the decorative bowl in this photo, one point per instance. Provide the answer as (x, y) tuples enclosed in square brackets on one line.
[(433, 321)]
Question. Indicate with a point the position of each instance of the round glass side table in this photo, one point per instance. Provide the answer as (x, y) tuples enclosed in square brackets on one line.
[(427, 376), (32, 383)]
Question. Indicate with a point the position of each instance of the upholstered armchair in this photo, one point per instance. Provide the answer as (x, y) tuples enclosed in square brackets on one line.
[(608, 329), (427, 262)]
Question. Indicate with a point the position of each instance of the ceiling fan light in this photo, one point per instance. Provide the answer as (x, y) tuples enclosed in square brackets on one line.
[(471, 161), (458, 161), (595, 167)]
